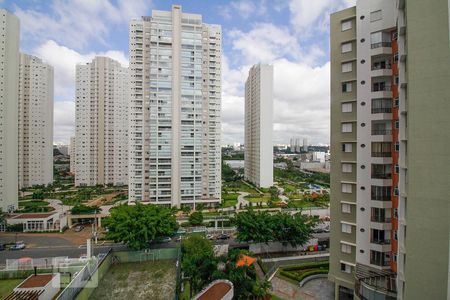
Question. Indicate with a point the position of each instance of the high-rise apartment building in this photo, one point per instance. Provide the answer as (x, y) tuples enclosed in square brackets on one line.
[(390, 69), (35, 124), (101, 120), (72, 154), (175, 65), (9, 88), (258, 155)]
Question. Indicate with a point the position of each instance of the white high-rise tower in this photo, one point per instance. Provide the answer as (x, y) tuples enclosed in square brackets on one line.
[(35, 122), (175, 66), (101, 135), (258, 126), (9, 87)]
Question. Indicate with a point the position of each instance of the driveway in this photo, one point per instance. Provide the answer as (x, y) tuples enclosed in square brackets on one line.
[(316, 289), (241, 199)]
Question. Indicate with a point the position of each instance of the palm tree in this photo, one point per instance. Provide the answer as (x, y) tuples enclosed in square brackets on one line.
[(260, 289)]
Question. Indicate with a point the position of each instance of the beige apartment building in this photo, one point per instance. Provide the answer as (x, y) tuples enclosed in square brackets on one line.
[(101, 121), (9, 90), (390, 135), (258, 154), (35, 122), (175, 126)]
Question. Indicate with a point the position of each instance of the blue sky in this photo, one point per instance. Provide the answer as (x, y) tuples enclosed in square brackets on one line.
[(290, 34)]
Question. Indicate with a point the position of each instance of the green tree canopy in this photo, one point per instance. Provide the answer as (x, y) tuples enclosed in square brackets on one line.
[(139, 224), (198, 261), (262, 227), (81, 209), (196, 218)]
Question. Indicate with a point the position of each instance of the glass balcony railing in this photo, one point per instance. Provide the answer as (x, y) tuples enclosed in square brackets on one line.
[(381, 131), (380, 44)]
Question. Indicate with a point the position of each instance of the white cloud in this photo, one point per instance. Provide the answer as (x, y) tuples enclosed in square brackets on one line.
[(64, 60), (264, 43), (75, 23), (64, 121), (243, 8)]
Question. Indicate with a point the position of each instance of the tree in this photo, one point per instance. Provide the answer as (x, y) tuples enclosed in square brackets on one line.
[(196, 218), (81, 209), (198, 261), (139, 224), (262, 227)]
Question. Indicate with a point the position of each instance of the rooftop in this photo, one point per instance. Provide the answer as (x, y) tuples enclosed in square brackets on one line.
[(33, 215), (35, 281), (216, 291)]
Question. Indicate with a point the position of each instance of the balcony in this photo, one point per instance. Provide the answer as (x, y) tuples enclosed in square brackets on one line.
[(380, 44), (381, 110), (380, 242), (381, 154), (378, 131)]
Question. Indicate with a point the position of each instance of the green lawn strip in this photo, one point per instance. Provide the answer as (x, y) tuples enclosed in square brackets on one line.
[(185, 294), (300, 272), (7, 286), (229, 203)]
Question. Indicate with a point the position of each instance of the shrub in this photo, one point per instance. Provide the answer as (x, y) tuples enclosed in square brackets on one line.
[(307, 266)]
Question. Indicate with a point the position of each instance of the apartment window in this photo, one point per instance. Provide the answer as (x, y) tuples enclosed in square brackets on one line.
[(346, 25), (346, 268), (396, 102), (396, 191), (381, 259), (347, 107), (396, 213), (346, 248), (380, 193), (397, 169), (346, 127), (346, 67), (397, 124), (381, 149), (346, 87), (375, 16), (397, 146), (347, 188), (396, 235), (346, 208), (394, 257), (347, 148), (381, 105), (380, 39), (346, 47), (346, 168), (346, 228)]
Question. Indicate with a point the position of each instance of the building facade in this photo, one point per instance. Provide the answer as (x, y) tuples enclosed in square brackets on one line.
[(9, 89), (35, 122), (389, 75), (72, 154), (101, 120), (175, 126), (258, 154)]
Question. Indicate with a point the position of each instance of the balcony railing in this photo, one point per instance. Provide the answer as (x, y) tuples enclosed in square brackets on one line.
[(382, 283), (381, 197), (380, 219), (380, 44), (381, 110), (380, 241), (381, 88), (381, 154), (381, 175), (381, 67), (381, 131)]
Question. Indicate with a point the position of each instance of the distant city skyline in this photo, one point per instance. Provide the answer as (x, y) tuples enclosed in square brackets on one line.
[(64, 33)]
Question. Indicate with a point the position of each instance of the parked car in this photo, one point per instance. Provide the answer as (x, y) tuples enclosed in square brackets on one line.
[(223, 236), (79, 228), (18, 246), (165, 239), (210, 236)]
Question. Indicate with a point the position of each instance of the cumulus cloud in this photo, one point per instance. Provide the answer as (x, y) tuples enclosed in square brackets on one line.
[(75, 23), (64, 60), (243, 8)]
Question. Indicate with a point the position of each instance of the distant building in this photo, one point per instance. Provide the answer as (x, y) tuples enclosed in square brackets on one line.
[(258, 126), (37, 287), (305, 144), (9, 131), (101, 123), (35, 122)]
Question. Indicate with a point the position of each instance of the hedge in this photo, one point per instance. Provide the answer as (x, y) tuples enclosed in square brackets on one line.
[(304, 275), (307, 266)]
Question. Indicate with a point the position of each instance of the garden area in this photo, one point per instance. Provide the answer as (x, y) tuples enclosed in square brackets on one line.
[(144, 280), (297, 273), (7, 286)]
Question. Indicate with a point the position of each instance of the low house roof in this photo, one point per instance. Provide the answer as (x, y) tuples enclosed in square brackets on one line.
[(245, 260), (35, 281)]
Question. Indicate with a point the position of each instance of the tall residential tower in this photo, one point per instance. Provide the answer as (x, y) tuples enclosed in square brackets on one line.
[(35, 122), (9, 131), (390, 135), (258, 155), (175, 65), (102, 114)]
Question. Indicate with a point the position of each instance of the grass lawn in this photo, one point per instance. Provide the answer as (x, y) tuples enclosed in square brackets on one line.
[(7, 286), (229, 203), (187, 289), (264, 198), (145, 280)]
